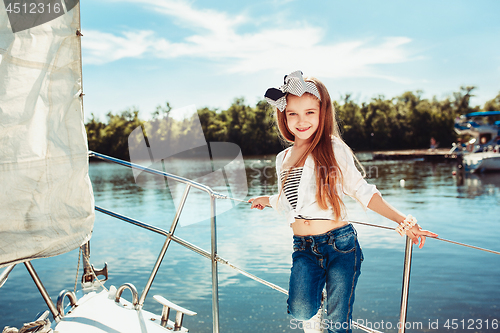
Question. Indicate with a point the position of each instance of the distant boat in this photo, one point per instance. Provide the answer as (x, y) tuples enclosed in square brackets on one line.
[(482, 152), (482, 161)]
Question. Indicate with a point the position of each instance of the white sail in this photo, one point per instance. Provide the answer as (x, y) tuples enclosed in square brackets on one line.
[(46, 200)]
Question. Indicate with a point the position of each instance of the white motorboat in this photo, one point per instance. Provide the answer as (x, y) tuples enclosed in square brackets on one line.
[(482, 152), (482, 161), (485, 132)]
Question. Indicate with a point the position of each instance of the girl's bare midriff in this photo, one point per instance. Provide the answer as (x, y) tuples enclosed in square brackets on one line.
[(303, 227)]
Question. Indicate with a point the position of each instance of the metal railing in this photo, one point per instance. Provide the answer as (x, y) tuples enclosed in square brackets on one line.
[(213, 256), (170, 235)]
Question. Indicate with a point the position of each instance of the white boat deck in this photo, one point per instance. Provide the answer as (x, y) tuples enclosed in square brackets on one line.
[(98, 312)]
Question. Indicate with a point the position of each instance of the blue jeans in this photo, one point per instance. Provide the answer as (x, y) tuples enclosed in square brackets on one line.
[(333, 258)]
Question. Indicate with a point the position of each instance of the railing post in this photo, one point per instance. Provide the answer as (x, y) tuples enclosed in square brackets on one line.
[(215, 282), (406, 285), (164, 248)]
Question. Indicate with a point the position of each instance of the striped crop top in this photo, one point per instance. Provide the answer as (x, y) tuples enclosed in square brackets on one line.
[(353, 185), (291, 188), (291, 184)]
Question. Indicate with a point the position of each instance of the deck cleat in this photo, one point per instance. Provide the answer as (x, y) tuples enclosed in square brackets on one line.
[(167, 305)]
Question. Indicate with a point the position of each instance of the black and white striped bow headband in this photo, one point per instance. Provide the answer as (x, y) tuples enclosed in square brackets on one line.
[(295, 85)]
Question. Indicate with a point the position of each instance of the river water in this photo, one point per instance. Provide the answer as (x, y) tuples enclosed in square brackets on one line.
[(453, 288)]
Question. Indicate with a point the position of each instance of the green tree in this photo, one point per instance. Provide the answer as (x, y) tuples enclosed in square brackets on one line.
[(462, 100), (406, 121), (351, 123), (493, 104)]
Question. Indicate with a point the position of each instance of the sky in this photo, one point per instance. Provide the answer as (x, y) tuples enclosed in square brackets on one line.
[(144, 53)]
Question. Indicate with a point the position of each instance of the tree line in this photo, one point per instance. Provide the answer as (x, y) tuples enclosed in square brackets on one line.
[(404, 122)]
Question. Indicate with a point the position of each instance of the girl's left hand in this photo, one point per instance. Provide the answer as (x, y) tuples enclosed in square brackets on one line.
[(416, 233)]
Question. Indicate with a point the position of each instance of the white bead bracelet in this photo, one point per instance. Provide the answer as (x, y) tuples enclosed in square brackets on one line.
[(406, 225)]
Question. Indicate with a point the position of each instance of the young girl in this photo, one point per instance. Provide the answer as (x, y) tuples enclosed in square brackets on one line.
[(313, 175)]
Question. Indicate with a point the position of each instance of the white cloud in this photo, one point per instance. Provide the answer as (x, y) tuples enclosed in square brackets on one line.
[(215, 37), (206, 19), (102, 47)]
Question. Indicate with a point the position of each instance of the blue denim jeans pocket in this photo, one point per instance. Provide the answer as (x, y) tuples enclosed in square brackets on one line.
[(345, 243)]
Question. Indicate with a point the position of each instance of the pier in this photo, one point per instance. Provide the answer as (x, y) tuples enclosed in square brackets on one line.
[(434, 155)]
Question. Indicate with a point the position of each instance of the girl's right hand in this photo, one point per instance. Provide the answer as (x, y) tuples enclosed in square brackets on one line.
[(259, 202), (416, 233)]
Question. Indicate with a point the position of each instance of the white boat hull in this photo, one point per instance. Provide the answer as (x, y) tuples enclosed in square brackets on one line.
[(483, 161)]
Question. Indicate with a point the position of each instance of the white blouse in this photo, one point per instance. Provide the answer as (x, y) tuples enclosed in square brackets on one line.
[(354, 186)]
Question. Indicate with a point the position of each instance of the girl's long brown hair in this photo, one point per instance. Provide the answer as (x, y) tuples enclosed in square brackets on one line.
[(328, 174)]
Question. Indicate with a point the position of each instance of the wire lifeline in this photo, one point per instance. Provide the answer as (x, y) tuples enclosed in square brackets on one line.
[(221, 196), (437, 238)]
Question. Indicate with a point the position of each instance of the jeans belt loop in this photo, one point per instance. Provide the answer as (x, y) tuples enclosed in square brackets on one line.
[(331, 240), (303, 243)]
